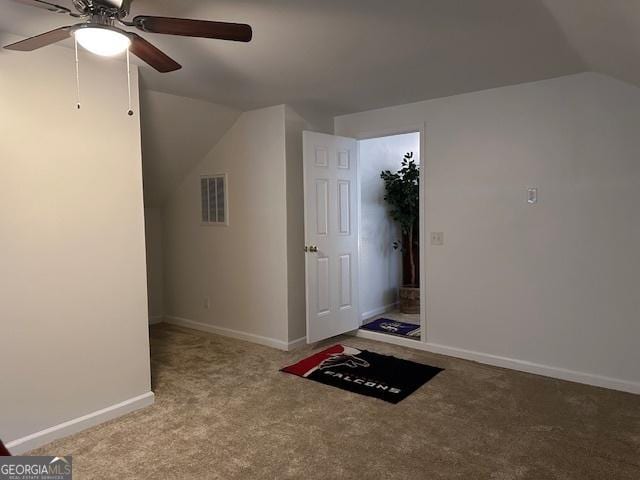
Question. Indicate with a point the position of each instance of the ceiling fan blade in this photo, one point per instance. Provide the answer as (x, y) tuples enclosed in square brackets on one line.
[(41, 40), (152, 55), (238, 32), (51, 7)]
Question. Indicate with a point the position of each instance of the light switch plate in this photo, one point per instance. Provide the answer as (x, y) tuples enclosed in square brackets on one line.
[(532, 196), (437, 238)]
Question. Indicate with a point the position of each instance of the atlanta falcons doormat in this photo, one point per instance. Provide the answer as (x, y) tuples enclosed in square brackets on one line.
[(387, 378), (393, 327)]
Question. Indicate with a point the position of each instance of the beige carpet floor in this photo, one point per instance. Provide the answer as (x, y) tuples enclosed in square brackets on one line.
[(223, 411)]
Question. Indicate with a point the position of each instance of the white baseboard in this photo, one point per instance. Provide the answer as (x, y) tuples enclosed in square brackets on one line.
[(156, 319), (538, 369), (511, 363), (393, 339), (38, 439), (228, 332), (301, 342), (378, 311)]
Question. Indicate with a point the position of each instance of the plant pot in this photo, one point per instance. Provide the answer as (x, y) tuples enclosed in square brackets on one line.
[(410, 299)]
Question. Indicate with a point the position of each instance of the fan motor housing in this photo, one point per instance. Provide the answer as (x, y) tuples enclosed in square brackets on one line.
[(112, 8)]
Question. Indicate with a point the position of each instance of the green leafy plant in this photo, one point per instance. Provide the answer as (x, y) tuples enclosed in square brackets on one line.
[(403, 196)]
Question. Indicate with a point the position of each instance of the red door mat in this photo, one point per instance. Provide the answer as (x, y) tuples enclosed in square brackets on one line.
[(368, 373)]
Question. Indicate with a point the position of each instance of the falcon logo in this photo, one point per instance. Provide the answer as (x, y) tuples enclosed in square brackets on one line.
[(390, 326), (339, 359)]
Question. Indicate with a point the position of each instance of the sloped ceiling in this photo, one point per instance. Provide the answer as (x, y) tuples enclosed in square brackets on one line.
[(343, 56), (177, 132), (340, 56), (331, 57), (605, 33)]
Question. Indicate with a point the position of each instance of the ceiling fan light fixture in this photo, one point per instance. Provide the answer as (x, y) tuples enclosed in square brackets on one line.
[(99, 35), (103, 41)]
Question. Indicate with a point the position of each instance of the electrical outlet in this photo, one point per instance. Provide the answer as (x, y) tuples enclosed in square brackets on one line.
[(437, 238), (206, 303)]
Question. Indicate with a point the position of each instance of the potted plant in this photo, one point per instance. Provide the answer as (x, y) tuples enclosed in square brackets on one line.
[(403, 196)]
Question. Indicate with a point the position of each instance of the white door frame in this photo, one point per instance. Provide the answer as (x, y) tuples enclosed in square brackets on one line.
[(422, 259)]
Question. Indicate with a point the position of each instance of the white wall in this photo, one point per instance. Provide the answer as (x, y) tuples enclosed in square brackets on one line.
[(155, 260), (177, 132), (73, 324), (380, 264), (555, 284), (294, 126), (242, 268)]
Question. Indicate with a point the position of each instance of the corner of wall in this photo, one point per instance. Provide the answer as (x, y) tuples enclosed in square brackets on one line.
[(296, 301), (253, 153)]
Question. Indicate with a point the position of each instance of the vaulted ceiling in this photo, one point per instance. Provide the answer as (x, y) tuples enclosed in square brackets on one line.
[(177, 132), (341, 56), (330, 57)]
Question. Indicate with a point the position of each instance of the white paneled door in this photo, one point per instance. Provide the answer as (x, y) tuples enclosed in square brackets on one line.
[(331, 233)]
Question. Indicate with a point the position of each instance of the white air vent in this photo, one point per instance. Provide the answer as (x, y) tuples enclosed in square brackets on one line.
[(213, 190)]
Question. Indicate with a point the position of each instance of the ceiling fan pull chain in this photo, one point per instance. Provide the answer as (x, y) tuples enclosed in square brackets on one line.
[(130, 112), (77, 77)]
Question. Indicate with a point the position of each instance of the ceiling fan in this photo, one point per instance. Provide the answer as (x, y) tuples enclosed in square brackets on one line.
[(99, 33)]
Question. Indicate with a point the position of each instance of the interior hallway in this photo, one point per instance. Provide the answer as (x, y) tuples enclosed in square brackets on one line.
[(224, 411)]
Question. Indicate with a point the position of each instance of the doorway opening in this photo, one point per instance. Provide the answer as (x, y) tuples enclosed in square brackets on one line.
[(389, 244)]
